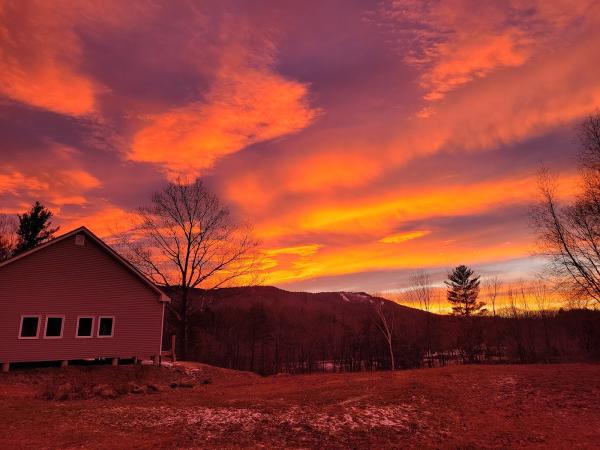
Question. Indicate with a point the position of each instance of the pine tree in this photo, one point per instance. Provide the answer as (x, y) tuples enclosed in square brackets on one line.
[(35, 228), (463, 290)]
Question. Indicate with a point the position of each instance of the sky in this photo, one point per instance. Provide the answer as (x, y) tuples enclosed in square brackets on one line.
[(363, 140)]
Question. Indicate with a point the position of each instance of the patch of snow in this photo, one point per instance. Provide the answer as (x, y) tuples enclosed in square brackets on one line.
[(329, 421)]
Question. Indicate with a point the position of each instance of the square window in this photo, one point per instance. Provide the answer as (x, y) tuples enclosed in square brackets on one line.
[(29, 327), (105, 327), (54, 326), (85, 327)]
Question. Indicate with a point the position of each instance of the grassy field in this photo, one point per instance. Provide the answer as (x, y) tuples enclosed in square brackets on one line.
[(538, 406)]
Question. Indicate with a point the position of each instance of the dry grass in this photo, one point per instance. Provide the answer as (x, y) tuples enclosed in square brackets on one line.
[(540, 406)]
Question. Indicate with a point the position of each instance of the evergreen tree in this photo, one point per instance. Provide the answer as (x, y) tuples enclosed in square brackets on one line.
[(35, 228), (463, 290)]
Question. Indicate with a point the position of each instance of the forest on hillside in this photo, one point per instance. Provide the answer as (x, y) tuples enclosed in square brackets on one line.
[(267, 330)]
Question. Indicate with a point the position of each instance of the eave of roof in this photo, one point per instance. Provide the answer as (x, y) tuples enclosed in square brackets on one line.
[(162, 296)]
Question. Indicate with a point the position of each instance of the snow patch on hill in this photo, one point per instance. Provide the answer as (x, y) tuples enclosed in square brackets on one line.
[(356, 297)]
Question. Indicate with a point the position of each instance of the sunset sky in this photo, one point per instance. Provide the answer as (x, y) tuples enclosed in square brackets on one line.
[(362, 139)]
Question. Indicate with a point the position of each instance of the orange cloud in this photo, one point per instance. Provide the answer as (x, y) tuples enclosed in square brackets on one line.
[(329, 169), (39, 58), (247, 103), (14, 182), (104, 219), (57, 182), (459, 41), (402, 237), (379, 215)]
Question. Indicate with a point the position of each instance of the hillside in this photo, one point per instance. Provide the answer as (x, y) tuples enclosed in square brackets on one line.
[(269, 330)]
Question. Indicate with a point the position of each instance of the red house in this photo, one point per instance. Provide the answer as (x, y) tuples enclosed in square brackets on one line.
[(75, 298)]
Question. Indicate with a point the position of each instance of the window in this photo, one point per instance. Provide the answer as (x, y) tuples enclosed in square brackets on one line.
[(85, 327), (30, 327), (105, 326), (54, 327)]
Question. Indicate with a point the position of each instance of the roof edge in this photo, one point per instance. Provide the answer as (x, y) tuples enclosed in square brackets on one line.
[(162, 296)]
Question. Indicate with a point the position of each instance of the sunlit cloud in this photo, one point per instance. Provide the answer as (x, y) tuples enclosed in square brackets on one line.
[(402, 237), (13, 182), (457, 42), (57, 181), (248, 102), (104, 219), (300, 250), (40, 59)]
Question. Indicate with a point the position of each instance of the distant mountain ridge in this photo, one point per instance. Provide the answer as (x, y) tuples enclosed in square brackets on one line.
[(272, 296), (269, 330)]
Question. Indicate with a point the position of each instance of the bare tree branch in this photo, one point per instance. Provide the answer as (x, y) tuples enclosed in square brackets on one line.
[(185, 238)]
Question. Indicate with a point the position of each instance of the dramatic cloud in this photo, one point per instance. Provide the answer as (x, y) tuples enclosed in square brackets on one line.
[(361, 139), (59, 180), (247, 102), (40, 59), (458, 41)]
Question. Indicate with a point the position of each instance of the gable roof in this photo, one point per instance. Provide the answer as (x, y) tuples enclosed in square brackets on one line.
[(103, 245)]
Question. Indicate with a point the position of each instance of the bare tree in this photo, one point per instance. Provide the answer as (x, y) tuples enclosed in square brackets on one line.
[(420, 291), (492, 288), (589, 137), (385, 324), (8, 236), (569, 237), (185, 238)]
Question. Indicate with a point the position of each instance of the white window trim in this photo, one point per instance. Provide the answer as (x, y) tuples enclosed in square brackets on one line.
[(39, 318), (112, 331), (62, 325), (92, 330)]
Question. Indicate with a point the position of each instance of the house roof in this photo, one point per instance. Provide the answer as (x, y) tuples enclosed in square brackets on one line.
[(104, 246)]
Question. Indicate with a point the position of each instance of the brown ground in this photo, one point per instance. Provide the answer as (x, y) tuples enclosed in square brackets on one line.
[(539, 406)]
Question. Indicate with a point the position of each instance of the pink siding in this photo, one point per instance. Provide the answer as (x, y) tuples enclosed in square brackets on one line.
[(71, 280)]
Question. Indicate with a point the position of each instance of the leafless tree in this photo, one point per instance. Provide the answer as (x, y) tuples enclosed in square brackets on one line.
[(589, 137), (385, 324), (421, 291), (569, 235), (8, 236), (492, 288), (186, 238)]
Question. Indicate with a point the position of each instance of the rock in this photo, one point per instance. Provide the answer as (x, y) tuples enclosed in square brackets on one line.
[(109, 393), (151, 387), (63, 391), (186, 384)]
